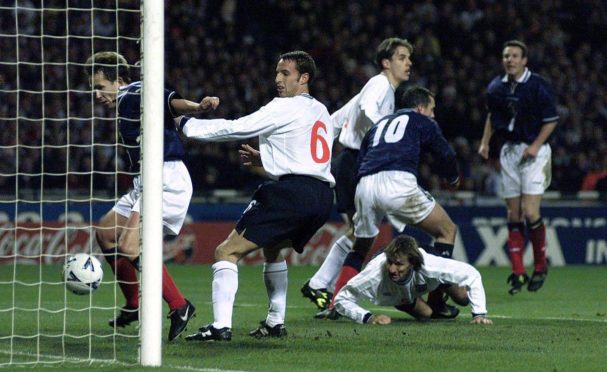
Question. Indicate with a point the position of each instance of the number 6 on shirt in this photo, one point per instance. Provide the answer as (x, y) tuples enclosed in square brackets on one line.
[(315, 140)]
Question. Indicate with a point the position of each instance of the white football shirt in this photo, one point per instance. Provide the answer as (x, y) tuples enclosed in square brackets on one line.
[(375, 285), (373, 102), (295, 136)]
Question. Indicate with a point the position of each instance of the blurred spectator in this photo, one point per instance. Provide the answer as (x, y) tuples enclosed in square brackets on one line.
[(220, 47)]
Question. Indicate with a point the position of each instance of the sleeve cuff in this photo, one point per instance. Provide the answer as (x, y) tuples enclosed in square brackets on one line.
[(367, 317), (478, 315)]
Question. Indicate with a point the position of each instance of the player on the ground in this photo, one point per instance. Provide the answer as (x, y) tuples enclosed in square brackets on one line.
[(401, 274), (522, 109), (295, 138), (118, 230), (387, 185), (374, 101)]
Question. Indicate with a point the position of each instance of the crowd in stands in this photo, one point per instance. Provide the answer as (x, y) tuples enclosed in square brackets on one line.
[(229, 48)]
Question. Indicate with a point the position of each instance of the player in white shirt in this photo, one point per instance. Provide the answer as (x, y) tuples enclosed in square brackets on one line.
[(401, 274), (373, 102), (295, 139)]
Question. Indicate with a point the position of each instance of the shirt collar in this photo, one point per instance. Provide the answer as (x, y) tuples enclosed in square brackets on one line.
[(523, 79)]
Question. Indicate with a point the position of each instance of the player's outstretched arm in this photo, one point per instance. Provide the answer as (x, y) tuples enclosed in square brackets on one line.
[(183, 106)]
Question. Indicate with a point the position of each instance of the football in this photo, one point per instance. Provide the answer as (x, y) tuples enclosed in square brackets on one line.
[(82, 273)]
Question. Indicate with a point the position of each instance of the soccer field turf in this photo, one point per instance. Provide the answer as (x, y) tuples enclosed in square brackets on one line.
[(561, 327)]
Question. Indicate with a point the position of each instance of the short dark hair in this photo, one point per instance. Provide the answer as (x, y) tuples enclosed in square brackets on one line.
[(407, 246), (112, 64), (303, 62), (414, 96), (386, 49), (518, 44)]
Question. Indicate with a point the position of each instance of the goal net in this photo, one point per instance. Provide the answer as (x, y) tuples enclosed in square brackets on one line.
[(60, 171)]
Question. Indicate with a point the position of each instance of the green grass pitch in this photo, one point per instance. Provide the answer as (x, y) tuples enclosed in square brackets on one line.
[(563, 327)]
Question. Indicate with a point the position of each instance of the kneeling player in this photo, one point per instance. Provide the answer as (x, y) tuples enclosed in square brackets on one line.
[(401, 274)]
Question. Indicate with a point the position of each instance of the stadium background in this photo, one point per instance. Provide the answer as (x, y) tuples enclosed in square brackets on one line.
[(229, 48)]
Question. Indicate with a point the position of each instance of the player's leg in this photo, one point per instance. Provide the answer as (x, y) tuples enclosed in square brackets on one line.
[(176, 196), (366, 226), (419, 309), (537, 235), (458, 294), (510, 162), (353, 263), (516, 245), (321, 286), (107, 233), (224, 287), (536, 177), (275, 277), (440, 226)]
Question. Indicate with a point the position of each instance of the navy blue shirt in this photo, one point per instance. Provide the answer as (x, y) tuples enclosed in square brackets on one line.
[(519, 110), (396, 142), (129, 124)]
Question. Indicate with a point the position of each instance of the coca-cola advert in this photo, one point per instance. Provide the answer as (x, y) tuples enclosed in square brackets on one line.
[(50, 242)]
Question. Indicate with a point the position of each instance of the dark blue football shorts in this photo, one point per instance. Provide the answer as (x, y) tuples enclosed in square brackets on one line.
[(343, 168), (292, 208)]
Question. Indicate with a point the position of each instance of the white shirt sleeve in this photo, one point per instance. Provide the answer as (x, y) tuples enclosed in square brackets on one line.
[(363, 286), (459, 273), (372, 98), (262, 121), (346, 303)]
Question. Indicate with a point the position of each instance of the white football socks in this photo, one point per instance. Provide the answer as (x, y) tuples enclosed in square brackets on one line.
[(327, 274), (275, 277), (225, 285)]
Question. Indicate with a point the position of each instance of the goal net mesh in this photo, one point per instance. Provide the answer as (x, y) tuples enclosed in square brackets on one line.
[(60, 171)]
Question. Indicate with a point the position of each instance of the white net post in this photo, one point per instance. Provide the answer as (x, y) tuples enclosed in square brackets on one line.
[(152, 163), (60, 171)]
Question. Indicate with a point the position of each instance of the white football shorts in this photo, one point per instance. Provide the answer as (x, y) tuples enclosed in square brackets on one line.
[(394, 194), (176, 196), (531, 177)]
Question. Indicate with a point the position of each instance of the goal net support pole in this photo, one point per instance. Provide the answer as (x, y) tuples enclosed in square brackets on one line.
[(152, 164)]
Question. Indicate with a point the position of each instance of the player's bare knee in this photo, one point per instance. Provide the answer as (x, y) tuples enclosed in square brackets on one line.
[(451, 230), (106, 238), (447, 231), (531, 216), (226, 252), (128, 244)]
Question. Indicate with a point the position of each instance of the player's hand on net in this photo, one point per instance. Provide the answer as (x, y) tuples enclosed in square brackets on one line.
[(249, 156), (208, 103)]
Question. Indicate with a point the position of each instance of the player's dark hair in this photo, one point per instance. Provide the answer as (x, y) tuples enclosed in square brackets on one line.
[(518, 44), (303, 62), (407, 246), (386, 49), (112, 64), (414, 96)]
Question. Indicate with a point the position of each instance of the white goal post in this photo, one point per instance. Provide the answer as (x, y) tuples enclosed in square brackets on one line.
[(152, 160)]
